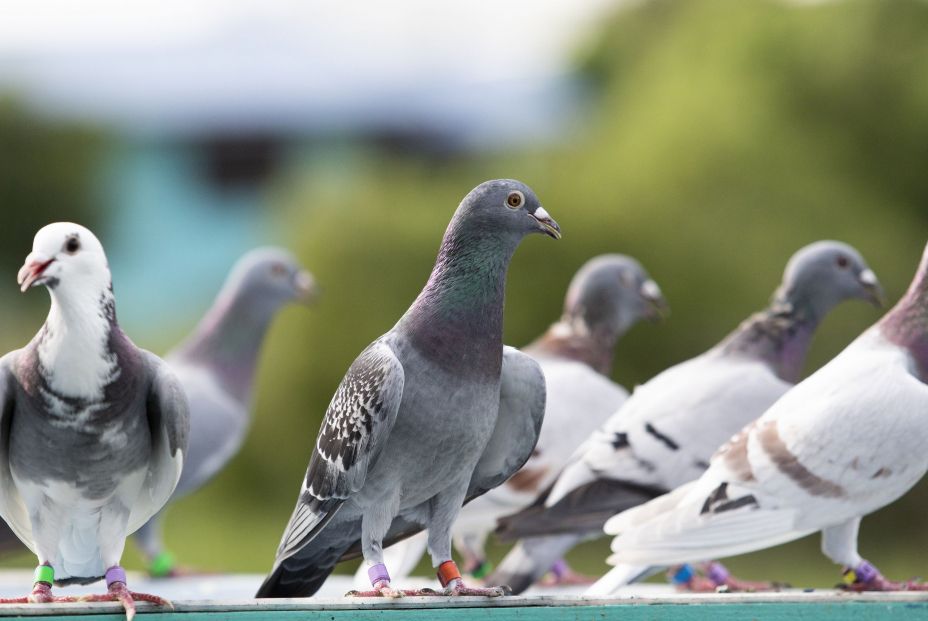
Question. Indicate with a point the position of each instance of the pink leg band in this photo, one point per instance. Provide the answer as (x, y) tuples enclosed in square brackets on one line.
[(378, 574), (115, 574)]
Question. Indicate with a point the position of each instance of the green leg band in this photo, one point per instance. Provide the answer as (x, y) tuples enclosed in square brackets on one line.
[(482, 570), (44, 573), (162, 565)]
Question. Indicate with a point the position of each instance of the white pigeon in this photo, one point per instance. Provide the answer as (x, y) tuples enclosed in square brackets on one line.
[(606, 297), (845, 442), (92, 428), (665, 433)]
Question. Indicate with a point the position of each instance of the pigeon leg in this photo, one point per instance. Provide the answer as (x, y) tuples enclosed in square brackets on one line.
[(561, 574), (866, 577), (453, 583), (117, 591), (41, 590)]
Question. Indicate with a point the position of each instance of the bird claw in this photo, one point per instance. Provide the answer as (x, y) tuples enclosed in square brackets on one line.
[(460, 591), (879, 583), (119, 592), (379, 591)]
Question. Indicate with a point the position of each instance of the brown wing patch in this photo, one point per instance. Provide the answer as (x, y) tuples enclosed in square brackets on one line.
[(527, 479), (788, 464), (734, 454)]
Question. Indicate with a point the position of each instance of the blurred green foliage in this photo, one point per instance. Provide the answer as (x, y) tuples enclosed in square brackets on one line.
[(49, 171), (721, 136)]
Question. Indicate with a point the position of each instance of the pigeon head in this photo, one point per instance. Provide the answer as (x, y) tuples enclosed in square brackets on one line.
[(610, 293), (503, 208), (824, 273), (273, 277), (66, 258)]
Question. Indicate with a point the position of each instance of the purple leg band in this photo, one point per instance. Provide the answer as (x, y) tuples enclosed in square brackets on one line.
[(717, 573), (866, 572), (378, 573), (560, 568), (115, 574)]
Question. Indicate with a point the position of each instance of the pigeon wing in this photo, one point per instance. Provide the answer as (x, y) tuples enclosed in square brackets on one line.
[(521, 412), (12, 508), (169, 423), (354, 430)]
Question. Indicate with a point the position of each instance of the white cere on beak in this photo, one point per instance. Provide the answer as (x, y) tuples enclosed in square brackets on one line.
[(650, 290), (541, 214), (868, 278)]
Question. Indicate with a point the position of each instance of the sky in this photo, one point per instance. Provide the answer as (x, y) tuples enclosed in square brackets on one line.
[(165, 63)]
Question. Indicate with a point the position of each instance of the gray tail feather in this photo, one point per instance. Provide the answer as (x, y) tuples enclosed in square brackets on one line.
[(531, 559), (584, 510), (303, 573)]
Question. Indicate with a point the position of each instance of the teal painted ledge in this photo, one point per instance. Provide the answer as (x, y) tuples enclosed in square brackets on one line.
[(793, 606)]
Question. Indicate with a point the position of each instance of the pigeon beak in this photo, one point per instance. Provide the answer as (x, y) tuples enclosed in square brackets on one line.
[(872, 289), (30, 274), (658, 309), (307, 291), (547, 223)]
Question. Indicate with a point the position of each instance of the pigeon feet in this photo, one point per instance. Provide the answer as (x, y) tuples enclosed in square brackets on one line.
[(715, 578), (381, 589), (41, 594), (458, 589), (868, 578), (119, 592)]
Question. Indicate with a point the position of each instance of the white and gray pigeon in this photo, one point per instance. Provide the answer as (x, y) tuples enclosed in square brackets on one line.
[(431, 414), (92, 428), (665, 433), (845, 442), (216, 366), (606, 297)]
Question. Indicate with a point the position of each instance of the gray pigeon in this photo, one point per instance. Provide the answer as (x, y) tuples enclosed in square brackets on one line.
[(216, 366), (665, 433), (92, 428), (435, 412), (606, 297), (845, 442)]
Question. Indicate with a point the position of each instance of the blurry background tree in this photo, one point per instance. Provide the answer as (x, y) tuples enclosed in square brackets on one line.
[(714, 138)]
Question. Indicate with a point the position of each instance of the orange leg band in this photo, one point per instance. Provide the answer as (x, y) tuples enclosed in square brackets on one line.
[(447, 572)]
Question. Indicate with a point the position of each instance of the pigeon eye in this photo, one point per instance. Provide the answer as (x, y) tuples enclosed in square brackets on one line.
[(842, 261), (72, 245), (278, 269), (515, 200)]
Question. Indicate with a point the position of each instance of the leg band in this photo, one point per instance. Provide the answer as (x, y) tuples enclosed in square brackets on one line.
[(447, 572), (483, 570), (115, 574), (717, 573), (378, 574), (683, 575), (162, 565), (863, 573), (559, 569), (44, 573)]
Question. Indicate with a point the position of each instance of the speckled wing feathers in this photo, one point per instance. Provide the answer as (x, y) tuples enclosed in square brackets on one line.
[(354, 430)]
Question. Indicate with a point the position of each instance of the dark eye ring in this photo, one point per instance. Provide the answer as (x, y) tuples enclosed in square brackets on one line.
[(515, 200), (842, 261), (72, 245)]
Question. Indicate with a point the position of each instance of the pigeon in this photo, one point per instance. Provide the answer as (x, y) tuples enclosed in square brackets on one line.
[(848, 440), (665, 433), (606, 297), (433, 413), (216, 367), (92, 429)]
